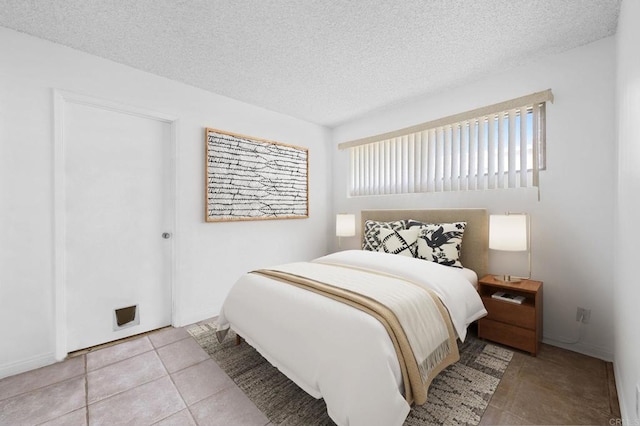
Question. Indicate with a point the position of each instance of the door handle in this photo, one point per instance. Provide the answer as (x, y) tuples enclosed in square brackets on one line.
[(166, 235)]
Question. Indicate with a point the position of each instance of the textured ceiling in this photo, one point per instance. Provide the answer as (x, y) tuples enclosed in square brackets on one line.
[(325, 61)]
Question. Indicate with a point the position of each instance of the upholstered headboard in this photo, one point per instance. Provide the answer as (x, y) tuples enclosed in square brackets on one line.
[(475, 243)]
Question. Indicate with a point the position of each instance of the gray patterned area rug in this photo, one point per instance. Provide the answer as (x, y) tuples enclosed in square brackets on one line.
[(459, 395)]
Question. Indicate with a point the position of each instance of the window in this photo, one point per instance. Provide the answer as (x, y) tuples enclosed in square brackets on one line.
[(499, 146)]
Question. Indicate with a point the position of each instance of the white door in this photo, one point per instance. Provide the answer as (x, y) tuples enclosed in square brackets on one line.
[(117, 180)]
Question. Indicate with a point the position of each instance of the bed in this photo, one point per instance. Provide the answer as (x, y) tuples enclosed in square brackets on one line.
[(346, 351)]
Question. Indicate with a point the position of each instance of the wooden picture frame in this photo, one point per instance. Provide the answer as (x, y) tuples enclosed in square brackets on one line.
[(250, 178)]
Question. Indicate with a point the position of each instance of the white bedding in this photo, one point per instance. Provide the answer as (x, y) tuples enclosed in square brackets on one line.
[(471, 276), (334, 351), (450, 284)]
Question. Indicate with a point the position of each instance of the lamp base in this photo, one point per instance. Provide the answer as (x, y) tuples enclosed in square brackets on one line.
[(508, 278)]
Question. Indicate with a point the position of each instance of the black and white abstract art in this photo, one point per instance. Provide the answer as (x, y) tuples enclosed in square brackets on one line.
[(252, 179)]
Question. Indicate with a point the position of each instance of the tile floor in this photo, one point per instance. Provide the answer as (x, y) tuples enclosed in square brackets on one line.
[(558, 387), (165, 378)]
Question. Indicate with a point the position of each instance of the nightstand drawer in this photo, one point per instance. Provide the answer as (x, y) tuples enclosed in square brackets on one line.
[(509, 335), (523, 315)]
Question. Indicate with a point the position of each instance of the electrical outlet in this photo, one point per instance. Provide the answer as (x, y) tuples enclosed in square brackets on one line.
[(583, 315)]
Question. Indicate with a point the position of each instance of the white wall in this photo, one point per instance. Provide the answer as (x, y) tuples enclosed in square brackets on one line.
[(627, 290), (210, 257), (572, 223)]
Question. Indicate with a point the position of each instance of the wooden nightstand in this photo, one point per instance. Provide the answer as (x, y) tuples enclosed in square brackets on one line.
[(512, 324)]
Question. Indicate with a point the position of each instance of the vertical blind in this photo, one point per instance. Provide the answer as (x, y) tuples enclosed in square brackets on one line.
[(499, 146)]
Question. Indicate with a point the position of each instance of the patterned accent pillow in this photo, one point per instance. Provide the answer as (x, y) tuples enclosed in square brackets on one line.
[(440, 242), (401, 242), (371, 240)]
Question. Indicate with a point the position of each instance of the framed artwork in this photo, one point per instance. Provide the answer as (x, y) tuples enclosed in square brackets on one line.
[(249, 178)]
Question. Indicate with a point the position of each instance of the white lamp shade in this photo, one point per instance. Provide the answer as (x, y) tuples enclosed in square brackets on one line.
[(345, 225), (508, 232)]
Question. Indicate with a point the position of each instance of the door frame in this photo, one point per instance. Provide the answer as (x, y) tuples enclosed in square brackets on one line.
[(60, 98)]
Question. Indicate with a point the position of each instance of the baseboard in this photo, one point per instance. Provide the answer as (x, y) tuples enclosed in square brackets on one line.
[(625, 414), (192, 318), (28, 364), (599, 352)]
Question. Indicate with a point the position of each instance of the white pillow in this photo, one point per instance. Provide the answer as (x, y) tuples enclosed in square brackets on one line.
[(440, 242), (402, 242), (371, 237)]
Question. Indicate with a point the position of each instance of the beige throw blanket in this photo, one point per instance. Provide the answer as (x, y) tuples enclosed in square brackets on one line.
[(416, 320)]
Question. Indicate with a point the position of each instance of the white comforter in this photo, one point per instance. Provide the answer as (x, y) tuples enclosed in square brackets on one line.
[(334, 351)]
